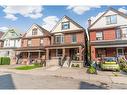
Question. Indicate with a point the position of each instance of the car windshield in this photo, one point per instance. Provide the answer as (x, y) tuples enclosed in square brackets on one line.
[(109, 59)]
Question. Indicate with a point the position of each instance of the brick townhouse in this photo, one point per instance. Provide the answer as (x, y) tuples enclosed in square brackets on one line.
[(33, 45), (66, 40), (108, 35)]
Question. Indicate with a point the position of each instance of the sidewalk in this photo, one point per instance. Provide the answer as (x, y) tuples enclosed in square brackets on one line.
[(104, 77)]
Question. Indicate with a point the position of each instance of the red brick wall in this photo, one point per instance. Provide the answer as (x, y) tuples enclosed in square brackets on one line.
[(36, 41), (46, 41), (108, 34), (68, 38), (92, 35)]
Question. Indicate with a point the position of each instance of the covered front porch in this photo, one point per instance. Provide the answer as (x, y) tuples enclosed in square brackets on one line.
[(110, 52), (75, 53), (29, 56)]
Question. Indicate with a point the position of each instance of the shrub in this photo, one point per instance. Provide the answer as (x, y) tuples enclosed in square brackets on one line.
[(38, 64), (4, 61), (92, 70), (124, 69), (75, 65)]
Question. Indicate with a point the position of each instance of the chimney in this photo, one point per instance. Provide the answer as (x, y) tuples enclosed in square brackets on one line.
[(89, 22)]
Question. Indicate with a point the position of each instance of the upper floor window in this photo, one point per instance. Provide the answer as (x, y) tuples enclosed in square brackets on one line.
[(59, 39), (118, 34), (112, 19), (74, 39), (65, 25), (34, 31), (29, 42), (124, 33), (41, 41), (99, 36)]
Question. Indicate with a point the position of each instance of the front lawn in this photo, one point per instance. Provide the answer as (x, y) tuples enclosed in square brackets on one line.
[(28, 67)]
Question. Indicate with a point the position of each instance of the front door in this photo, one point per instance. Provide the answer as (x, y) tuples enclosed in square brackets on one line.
[(120, 51), (73, 53)]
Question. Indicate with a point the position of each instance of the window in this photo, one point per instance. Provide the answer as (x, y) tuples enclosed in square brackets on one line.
[(99, 36), (59, 52), (59, 39), (124, 33), (118, 34), (111, 19), (34, 31), (29, 42), (101, 52), (41, 42), (65, 25), (74, 39)]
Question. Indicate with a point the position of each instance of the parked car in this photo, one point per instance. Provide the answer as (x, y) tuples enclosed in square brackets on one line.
[(109, 63)]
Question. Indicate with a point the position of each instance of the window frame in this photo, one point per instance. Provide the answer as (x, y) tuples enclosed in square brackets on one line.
[(34, 32), (58, 54), (99, 37), (61, 39), (110, 19), (29, 45), (72, 39), (41, 41), (62, 25)]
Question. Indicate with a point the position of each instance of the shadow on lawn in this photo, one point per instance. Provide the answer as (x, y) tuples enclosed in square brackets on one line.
[(86, 85), (6, 82)]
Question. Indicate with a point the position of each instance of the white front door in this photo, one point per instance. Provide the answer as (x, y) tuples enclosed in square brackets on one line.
[(120, 51)]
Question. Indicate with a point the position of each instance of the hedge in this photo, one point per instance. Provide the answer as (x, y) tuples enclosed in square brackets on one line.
[(4, 61)]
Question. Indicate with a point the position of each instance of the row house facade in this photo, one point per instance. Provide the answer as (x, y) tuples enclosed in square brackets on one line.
[(9, 41), (108, 35), (66, 40), (33, 45)]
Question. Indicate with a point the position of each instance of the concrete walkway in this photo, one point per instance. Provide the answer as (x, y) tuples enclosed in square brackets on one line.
[(105, 78)]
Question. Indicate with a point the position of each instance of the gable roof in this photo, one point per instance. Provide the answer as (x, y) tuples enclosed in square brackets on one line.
[(46, 33), (11, 30), (112, 9), (69, 20)]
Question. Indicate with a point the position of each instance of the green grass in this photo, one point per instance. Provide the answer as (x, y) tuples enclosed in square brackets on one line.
[(26, 67)]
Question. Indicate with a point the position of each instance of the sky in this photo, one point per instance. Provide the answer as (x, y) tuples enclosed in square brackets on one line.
[(22, 17)]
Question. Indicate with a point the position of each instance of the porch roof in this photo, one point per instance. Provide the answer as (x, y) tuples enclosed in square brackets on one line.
[(109, 46), (108, 42), (55, 46), (31, 49)]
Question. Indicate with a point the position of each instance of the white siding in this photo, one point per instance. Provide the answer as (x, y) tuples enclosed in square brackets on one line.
[(58, 28), (101, 23), (29, 32), (12, 43)]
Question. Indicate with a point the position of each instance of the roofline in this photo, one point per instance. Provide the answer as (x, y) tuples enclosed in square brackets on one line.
[(67, 18), (112, 9)]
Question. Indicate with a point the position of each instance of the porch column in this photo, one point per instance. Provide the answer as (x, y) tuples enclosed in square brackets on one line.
[(63, 52), (28, 58), (47, 54), (39, 55), (80, 53)]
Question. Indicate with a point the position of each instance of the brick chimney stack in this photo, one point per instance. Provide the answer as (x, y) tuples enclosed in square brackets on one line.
[(89, 22)]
